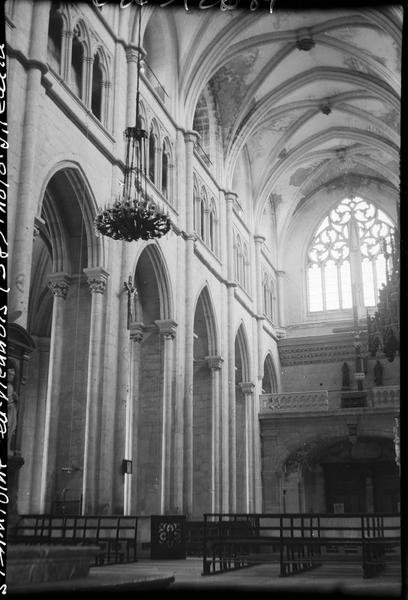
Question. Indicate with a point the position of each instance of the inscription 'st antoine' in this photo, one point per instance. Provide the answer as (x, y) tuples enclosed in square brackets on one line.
[(224, 5)]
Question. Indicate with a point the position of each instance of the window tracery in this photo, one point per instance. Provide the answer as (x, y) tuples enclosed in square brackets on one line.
[(241, 260), (269, 296), (71, 55), (347, 252), (54, 44)]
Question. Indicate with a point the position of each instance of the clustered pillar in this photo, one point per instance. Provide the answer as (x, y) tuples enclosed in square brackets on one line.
[(215, 364), (230, 198), (167, 330), (59, 284), (190, 139), (97, 279)]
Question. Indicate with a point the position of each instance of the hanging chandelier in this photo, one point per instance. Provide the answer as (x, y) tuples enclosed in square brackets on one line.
[(134, 214)]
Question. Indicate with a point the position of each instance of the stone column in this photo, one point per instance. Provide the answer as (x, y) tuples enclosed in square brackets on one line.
[(43, 345), (356, 271), (215, 364), (230, 198), (259, 240), (132, 418), (179, 400), (97, 278), (248, 390), (21, 213), (190, 138), (66, 52), (126, 362), (167, 329), (59, 285), (132, 54), (105, 113), (86, 92)]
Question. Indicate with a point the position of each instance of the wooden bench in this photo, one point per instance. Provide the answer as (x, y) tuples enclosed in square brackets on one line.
[(114, 535), (299, 541)]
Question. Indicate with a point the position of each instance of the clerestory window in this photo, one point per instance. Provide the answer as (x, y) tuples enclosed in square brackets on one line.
[(54, 44), (347, 257)]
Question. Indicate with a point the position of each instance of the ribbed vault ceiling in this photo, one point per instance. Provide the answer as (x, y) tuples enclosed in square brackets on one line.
[(304, 97)]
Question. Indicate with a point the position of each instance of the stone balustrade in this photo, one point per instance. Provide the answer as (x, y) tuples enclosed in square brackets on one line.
[(387, 396), (295, 401), (377, 397)]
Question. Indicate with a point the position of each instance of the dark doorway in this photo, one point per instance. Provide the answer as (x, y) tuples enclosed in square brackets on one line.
[(362, 487)]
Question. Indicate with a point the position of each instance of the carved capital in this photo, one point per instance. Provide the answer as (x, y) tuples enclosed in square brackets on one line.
[(59, 284), (132, 54), (247, 387), (259, 239), (167, 328), (214, 362), (97, 279), (231, 197), (191, 136), (136, 332), (39, 224)]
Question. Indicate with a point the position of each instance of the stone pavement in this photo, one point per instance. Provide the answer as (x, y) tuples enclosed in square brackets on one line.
[(184, 577)]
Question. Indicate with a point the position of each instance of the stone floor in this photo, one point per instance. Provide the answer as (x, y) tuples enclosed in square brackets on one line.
[(147, 577)]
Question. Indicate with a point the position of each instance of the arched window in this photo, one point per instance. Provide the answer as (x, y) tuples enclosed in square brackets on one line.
[(238, 255), (265, 293), (274, 315), (203, 210), (196, 206), (201, 123), (346, 263), (54, 44), (269, 299), (77, 63), (245, 266), (141, 124), (212, 227), (166, 181), (97, 79), (152, 156)]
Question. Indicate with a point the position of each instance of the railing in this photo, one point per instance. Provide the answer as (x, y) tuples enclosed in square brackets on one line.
[(155, 82), (202, 153), (324, 400), (299, 541), (296, 401), (387, 396), (115, 535)]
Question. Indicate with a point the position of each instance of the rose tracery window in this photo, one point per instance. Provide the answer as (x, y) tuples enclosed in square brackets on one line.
[(346, 254)]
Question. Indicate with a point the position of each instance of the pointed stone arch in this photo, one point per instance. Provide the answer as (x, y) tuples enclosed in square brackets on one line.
[(204, 393), (60, 311), (161, 51), (70, 176), (242, 347), (243, 421), (152, 382), (210, 322), (269, 379), (153, 255), (357, 474)]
